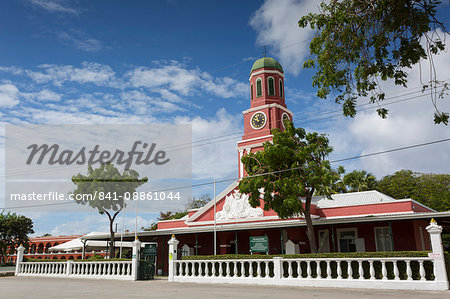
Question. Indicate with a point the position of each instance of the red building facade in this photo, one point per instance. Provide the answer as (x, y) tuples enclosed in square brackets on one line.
[(351, 222), (38, 248)]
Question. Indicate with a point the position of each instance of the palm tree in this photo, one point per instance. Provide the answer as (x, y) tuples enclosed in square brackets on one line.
[(360, 180)]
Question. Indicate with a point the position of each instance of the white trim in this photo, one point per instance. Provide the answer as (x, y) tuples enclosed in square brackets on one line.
[(369, 215), (265, 71), (366, 204), (254, 145), (265, 120), (205, 208), (268, 93), (279, 224), (268, 106), (282, 121), (256, 138)]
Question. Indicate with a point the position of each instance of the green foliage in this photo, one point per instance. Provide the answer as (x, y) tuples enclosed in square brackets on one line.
[(89, 259), (198, 202), (194, 203), (380, 254), (432, 190), (293, 167), (14, 230), (359, 43), (359, 180), (108, 189)]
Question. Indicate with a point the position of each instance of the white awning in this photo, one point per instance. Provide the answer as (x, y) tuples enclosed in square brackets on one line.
[(77, 244)]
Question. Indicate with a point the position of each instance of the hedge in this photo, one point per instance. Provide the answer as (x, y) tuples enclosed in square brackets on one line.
[(65, 260), (379, 254)]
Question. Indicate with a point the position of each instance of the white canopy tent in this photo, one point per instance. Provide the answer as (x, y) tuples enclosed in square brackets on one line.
[(79, 244)]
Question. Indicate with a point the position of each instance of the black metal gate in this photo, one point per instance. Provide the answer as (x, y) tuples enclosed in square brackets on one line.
[(146, 270)]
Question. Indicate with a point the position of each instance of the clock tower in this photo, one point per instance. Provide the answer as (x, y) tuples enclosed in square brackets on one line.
[(267, 107)]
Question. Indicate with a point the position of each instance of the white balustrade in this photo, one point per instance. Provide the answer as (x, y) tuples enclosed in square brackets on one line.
[(344, 272), (87, 269)]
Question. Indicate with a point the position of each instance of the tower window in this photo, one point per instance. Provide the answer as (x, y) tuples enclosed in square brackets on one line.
[(271, 86), (281, 88), (251, 92), (258, 87)]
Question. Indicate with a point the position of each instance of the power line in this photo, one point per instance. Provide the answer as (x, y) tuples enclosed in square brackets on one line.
[(338, 113), (266, 173)]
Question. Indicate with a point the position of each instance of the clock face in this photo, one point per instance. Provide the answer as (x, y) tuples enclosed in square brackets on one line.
[(283, 118), (258, 120)]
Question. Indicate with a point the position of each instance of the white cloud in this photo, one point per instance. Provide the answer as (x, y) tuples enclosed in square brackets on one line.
[(98, 223), (80, 42), (176, 78), (48, 95), (89, 72), (54, 6), (8, 95), (276, 23), (217, 159), (408, 123)]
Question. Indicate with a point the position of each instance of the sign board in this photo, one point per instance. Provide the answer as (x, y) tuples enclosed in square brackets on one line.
[(149, 250), (259, 244)]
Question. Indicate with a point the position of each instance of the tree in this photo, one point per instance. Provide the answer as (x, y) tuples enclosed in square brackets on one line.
[(360, 180), (432, 190), (289, 172), (359, 43), (106, 189), (14, 230), (194, 203), (198, 202)]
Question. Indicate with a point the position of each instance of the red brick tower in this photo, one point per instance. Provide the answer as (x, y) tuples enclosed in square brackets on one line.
[(267, 107)]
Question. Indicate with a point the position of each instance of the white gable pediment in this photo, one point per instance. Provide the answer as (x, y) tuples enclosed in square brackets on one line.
[(236, 206)]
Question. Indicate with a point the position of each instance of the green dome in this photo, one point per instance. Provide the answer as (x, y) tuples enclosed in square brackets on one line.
[(266, 62)]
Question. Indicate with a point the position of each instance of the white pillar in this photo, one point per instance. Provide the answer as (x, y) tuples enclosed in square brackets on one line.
[(69, 268), (173, 255), (241, 167), (19, 259), (135, 259), (437, 254), (277, 267)]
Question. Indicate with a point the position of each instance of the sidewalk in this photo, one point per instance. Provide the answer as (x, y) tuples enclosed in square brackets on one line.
[(31, 287)]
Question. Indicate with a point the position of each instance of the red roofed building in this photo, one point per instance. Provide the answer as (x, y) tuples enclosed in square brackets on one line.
[(351, 222)]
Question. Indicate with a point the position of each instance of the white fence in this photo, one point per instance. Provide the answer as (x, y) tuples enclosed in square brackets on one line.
[(349, 273), (97, 269), (122, 270), (418, 273)]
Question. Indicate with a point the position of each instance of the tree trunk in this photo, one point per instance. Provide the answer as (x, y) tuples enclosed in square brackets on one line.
[(112, 249), (309, 226)]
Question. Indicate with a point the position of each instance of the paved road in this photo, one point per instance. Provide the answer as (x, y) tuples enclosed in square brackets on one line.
[(7, 268), (31, 287)]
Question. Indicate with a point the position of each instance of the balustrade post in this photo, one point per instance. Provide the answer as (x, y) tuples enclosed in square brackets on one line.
[(173, 255), (19, 259), (437, 254), (135, 259), (69, 268), (277, 267)]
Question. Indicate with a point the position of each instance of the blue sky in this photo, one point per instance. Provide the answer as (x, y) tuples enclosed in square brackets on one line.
[(143, 62)]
